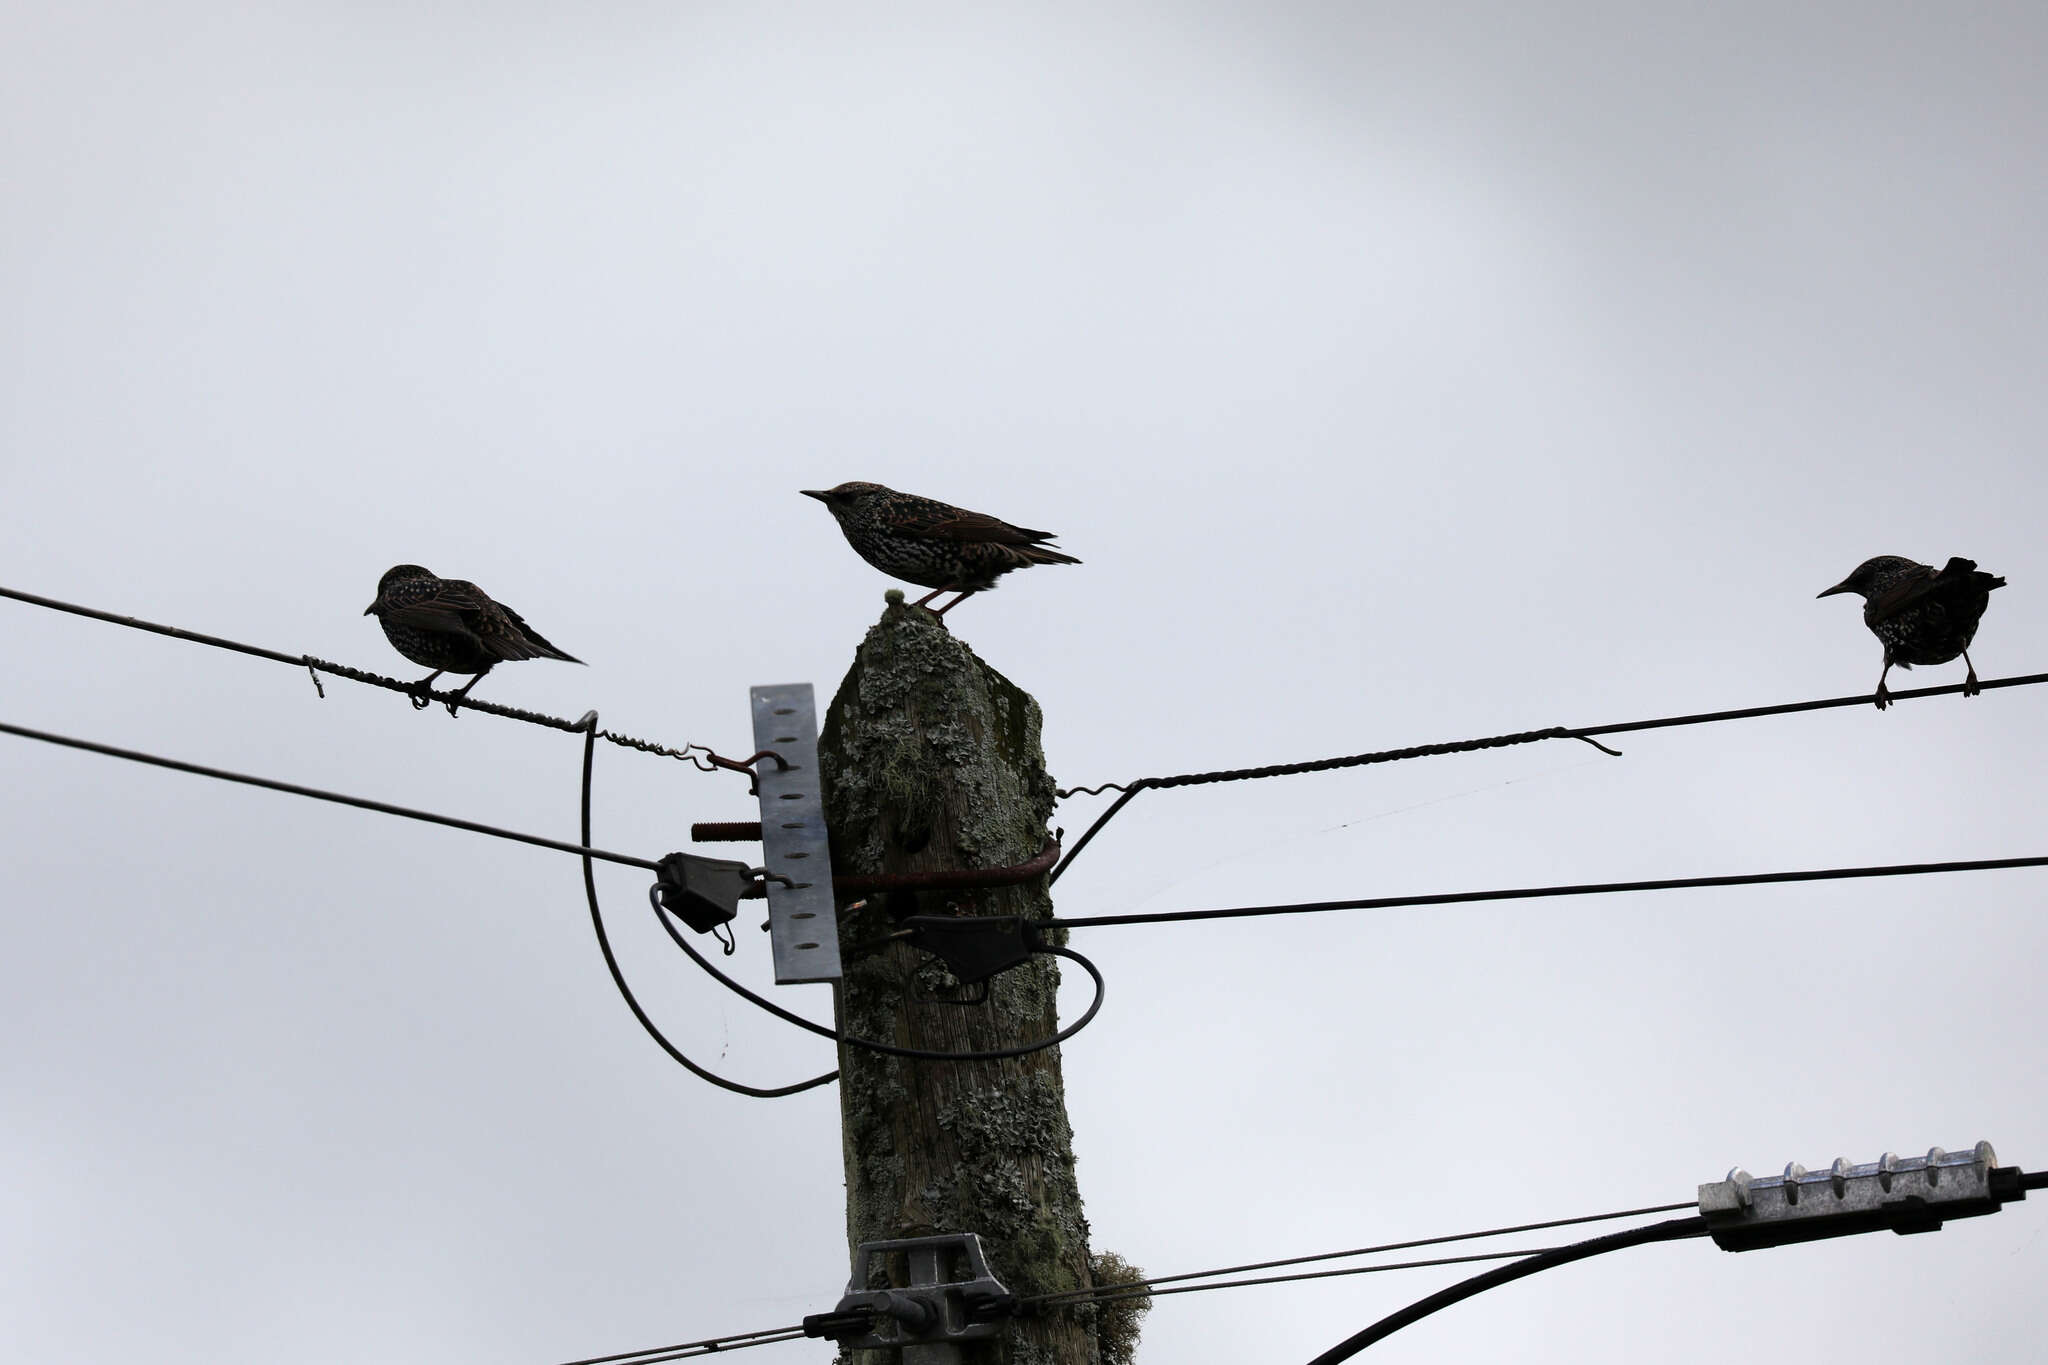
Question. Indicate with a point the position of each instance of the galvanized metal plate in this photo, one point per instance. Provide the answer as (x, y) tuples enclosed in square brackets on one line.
[(803, 926)]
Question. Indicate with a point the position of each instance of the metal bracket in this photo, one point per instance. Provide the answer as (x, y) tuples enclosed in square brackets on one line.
[(931, 1309), (1905, 1195), (803, 926)]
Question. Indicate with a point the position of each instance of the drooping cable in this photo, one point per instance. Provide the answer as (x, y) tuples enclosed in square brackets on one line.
[(993, 1054), (611, 963), (1676, 1229)]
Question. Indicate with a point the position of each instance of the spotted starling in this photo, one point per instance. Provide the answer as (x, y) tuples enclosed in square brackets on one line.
[(452, 627), (1919, 615), (933, 544)]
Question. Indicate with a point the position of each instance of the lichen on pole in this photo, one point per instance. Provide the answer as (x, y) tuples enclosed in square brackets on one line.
[(930, 761)]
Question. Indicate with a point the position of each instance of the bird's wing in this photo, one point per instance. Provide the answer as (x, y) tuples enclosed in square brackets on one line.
[(924, 517), (445, 604), (1908, 591), (504, 634)]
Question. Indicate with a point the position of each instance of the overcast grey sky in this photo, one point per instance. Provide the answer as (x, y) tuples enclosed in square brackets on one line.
[(1400, 372)]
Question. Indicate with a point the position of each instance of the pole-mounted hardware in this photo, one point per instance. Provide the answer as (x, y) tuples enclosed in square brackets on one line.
[(803, 926), (974, 948), (932, 1309), (1904, 1194), (704, 892)]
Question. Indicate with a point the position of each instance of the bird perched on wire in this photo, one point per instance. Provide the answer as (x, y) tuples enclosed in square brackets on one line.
[(1921, 616), (452, 626), (933, 544)]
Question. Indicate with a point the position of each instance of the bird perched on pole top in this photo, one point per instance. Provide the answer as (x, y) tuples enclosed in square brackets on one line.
[(1920, 615), (933, 544), (452, 626)]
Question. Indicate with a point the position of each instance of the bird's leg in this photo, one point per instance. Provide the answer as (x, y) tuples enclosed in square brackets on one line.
[(1884, 698), (941, 612), (463, 691), (418, 691), (926, 599), (1970, 687)]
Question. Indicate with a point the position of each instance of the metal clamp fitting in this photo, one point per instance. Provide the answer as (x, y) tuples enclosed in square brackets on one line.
[(930, 1308)]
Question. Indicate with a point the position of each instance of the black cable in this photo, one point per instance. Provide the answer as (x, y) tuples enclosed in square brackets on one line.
[(995, 1054), (683, 1350), (1093, 830), (1533, 892), (1116, 1293), (717, 1348), (1584, 733), (1677, 1229), (1078, 1295), (319, 666), (611, 963), (361, 803)]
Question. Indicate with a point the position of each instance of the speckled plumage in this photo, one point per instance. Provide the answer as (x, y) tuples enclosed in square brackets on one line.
[(452, 626), (1921, 615), (933, 544)]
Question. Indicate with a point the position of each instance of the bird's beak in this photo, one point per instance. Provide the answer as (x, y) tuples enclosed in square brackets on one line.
[(367, 610), (1839, 587), (814, 493)]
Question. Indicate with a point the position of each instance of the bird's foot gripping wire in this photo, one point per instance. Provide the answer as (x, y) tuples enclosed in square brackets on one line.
[(463, 691), (421, 693), (1970, 685)]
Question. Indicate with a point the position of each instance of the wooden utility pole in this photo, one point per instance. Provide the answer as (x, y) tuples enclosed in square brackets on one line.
[(930, 761)]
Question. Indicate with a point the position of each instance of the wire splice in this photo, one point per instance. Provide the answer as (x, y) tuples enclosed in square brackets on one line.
[(1904, 1195)]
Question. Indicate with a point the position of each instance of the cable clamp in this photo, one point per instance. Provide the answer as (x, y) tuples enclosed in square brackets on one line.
[(949, 1295)]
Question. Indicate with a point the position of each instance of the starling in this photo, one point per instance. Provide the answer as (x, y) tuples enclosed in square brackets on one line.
[(1919, 615), (452, 627), (933, 544)]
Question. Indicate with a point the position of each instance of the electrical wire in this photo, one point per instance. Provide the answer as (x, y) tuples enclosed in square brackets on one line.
[(611, 963), (1676, 1229), (993, 1054), (1584, 733), (699, 757), (1536, 892), (1130, 1287), (1111, 1296), (683, 1350), (317, 794)]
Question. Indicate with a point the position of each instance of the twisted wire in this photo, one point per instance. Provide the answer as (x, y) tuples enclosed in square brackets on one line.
[(1583, 733), (1321, 765), (696, 755)]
